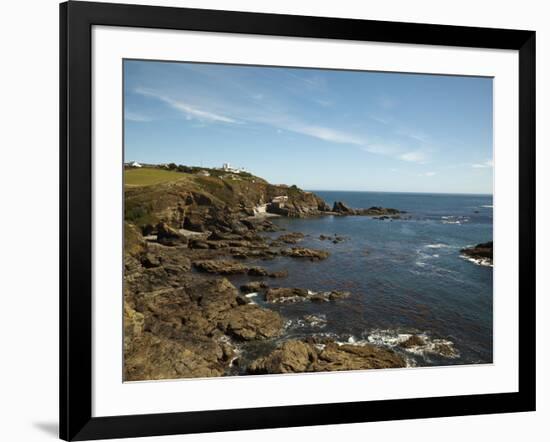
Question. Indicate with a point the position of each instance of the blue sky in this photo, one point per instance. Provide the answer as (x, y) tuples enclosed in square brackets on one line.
[(318, 129)]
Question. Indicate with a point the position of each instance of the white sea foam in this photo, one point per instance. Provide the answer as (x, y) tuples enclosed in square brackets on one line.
[(394, 339), (484, 262), (437, 246), (319, 321), (488, 206), (251, 295), (455, 219)]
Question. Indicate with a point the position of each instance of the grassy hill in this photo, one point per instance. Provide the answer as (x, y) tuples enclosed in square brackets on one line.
[(149, 176), (188, 198)]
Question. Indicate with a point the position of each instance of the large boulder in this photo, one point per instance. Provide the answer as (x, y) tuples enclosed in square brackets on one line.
[(290, 357), (248, 322)]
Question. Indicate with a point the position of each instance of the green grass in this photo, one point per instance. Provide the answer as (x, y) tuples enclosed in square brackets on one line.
[(150, 176)]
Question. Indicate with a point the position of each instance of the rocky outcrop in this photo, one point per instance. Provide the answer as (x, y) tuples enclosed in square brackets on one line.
[(301, 252), (282, 294), (291, 238), (483, 250), (342, 208), (221, 267), (481, 254), (180, 324), (154, 357), (298, 357), (286, 295), (169, 236), (225, 267), (248, 322)]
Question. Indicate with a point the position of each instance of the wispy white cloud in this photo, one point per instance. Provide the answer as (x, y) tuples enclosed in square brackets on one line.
[(132, 116), (484, 165), (414, 134), (324, 133), (427, 174), (257, 111), (190, 112), (416, 156)]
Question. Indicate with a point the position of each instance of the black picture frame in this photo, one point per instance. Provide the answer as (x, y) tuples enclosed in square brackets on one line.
[(76, 21)]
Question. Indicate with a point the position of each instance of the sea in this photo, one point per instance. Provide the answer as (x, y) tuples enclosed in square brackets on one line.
[(406, 277)]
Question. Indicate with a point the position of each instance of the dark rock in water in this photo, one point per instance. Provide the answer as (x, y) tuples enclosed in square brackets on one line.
[(376, 211), (168, 236), (337, 294), (254, 286), (380, 212), (283, 294), (413, 341), (286, 294), (278, 274), (340, 207), (482, 252), (295, 356), (257, 271), (220, 267), (291, 238), (311, 254)]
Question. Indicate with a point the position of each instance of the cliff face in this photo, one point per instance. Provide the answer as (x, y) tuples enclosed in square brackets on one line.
[(203, 203)]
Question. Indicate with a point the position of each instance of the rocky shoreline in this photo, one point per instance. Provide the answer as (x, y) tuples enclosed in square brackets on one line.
[(184, 318), (186, 241)]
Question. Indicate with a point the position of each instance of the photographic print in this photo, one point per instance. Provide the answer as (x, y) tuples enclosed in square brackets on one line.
[(299, 220)]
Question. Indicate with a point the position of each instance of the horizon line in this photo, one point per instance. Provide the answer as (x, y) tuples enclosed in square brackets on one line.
[(399, 191)]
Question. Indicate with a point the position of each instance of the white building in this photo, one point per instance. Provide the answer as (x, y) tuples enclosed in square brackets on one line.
[(134, 164), (226, 167)]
